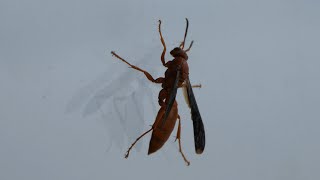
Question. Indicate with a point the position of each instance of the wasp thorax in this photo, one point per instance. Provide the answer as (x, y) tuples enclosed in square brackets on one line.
[(178, 52)]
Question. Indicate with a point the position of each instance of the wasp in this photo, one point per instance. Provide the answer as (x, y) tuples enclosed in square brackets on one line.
[(176, 76)]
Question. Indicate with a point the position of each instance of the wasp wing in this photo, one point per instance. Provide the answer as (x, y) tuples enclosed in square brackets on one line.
[(198, 128), (172, 98)]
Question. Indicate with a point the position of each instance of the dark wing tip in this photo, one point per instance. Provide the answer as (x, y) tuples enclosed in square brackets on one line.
[(198, 127), (199, 151)]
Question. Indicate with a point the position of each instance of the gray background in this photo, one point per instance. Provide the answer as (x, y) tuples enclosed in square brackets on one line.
[(68, 110)]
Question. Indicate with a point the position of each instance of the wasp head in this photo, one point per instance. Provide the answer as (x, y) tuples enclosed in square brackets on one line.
[(178, 52)]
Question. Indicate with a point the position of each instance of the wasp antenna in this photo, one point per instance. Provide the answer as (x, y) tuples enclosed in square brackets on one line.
[(189, 47), (185, 34)]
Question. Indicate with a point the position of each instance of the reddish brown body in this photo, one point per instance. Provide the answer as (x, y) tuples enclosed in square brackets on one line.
[(175, 76), (161, 134)]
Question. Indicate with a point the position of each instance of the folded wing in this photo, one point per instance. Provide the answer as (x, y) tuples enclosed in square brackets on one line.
[(198, 128)]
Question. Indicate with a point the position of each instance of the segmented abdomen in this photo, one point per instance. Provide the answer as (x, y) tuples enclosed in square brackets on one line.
[(161, 133)]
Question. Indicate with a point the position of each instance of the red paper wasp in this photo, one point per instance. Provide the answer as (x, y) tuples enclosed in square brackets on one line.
[(176, 76)]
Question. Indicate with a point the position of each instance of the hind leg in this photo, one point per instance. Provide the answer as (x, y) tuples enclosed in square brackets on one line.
[(179, 142), (127, 153)]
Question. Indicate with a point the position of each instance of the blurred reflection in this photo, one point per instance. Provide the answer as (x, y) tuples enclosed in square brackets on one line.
[(125, 100)]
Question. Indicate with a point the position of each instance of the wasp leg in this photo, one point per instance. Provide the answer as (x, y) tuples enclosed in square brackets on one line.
[(164, 46), (127, 153), (179, 141), (148, 75), (196, 86), (193, 86)]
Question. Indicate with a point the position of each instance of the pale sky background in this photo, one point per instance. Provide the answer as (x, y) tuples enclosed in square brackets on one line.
[(69, 110)]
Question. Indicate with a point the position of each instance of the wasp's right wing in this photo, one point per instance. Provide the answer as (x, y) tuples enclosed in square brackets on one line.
[(198, 128)]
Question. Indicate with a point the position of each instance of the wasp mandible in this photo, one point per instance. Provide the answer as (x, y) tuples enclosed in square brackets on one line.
[(176, 76)]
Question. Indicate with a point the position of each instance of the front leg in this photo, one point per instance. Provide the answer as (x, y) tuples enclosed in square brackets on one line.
[(164, 46), (147, 74)]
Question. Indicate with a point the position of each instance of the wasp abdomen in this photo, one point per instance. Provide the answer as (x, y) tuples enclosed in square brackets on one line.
[(161, 133)]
